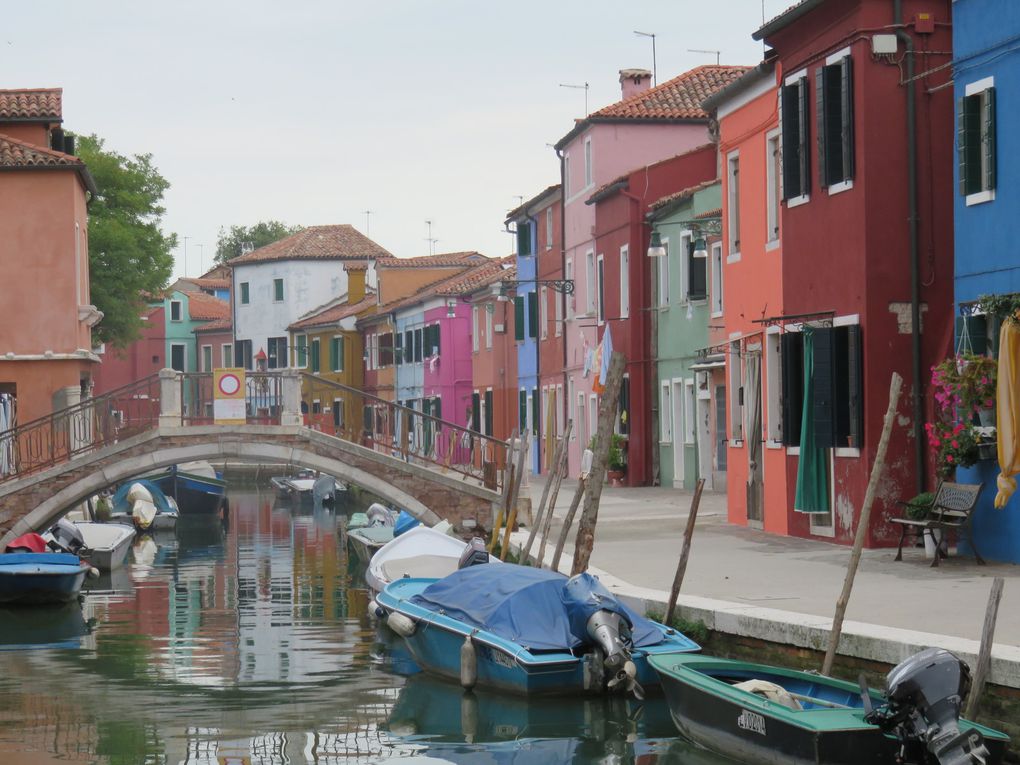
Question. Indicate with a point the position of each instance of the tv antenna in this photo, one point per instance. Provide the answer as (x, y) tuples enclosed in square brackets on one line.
[(431, 239), (579, 87), (718, 53), (368, 225), (655, 77)]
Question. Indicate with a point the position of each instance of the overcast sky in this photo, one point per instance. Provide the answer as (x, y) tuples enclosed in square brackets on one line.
[(313, 112)]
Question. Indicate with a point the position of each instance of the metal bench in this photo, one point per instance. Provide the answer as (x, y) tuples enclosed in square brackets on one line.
[(950, 510)]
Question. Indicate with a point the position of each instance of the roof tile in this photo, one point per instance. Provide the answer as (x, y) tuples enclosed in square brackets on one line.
[(216, 325), (31, 105), (679, 98), (332, 314), (202, 307), (336, 242), (440, 260), (15, 153)]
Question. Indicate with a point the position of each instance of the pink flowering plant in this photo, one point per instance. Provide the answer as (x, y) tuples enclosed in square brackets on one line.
[(955, 445), (962, 386)]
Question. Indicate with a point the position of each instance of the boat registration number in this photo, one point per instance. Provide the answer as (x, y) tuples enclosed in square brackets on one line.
[(498, 657), (751, 721)]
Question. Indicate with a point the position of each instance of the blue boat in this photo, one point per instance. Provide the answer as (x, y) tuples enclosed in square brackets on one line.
[(167, 511), (527, 631), (31, 578), (196, 486)]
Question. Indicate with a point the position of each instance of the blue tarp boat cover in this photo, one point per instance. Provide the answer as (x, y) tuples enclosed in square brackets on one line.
[(405, 522), (120, 503), (535, 608)]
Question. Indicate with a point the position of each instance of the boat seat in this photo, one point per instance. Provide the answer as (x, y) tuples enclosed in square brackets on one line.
[(771, 691), (420, 566)]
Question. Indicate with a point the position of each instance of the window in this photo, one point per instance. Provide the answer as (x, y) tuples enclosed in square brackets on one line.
[(568, 274), (837, 394), (524, 238), (548, 228), (625, 281), (558, 313), (316, 406), (717, 278), (733, 202), (588, 176), (336, 353), (488, 326), (794, 128), (593, 416), (543, 311), (207, 358), (773, 375), (589, 282), (278, 290), (623, 410), (474, 328), (398, 350), (773, 173), (277, 352), (689, 408), (532, 314), (544, 407), (664, 275), (385, 350), (697, 272), (975, 137), (487, 412), (409, 347), (601, 282), (665, 414), (339, 418), (244, 293), (581, 420), (476, 412), (315, 355), (175, 310), (570, 397), (301, 351), (178, 357), (558, 409), (227, 355), (736, 365), (242, 354), (522, 409), (535, 414), (834, 93), (417, 345), (519, 328)]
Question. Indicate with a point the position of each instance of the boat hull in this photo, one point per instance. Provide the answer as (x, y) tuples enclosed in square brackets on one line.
[(108, 556), (40, 578), (195, 494)]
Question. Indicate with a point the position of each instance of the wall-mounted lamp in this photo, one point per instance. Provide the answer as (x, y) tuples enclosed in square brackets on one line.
[(700, 248), (490, 307), (451, 308), (656, 249)]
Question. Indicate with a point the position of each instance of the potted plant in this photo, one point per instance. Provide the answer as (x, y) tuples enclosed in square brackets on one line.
[(964, 388), (917, 509), (616, 463), (955, 445)]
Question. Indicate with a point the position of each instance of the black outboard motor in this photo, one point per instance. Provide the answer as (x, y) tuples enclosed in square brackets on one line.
[(474, 554), (66, 537), (925, 694)]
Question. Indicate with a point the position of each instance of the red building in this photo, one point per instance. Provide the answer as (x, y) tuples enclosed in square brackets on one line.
[(624, 299), (867, 245), (143, 357)]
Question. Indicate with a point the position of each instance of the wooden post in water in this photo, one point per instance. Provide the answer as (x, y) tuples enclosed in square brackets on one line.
[(984, 660), (553, 474), (561, 468), (862, 525), (607, 416), (522, 453), (508, 479), (568, 521), (681, 567)]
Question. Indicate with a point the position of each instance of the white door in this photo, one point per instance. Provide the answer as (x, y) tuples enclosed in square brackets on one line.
[(677, 400), (704, 435)]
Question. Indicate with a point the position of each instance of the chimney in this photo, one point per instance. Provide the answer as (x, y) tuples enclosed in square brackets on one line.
[(634, 81), (355, 285)]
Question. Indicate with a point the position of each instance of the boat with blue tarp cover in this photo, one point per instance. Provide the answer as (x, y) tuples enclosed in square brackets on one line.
[(757, 713), (527, 630)]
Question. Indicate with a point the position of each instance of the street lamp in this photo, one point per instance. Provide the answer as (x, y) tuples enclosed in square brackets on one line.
[(656, 249)]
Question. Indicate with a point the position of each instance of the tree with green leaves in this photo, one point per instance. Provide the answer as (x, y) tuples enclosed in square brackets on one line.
[(240, 239), (129, 255)]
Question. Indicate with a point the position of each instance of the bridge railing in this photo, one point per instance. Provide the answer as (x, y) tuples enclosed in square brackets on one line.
[(263, 398), (400, 431), (79, 429)]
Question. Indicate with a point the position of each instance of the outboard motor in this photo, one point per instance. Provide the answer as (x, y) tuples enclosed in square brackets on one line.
[(474, 554), (611, 632), (66, 537), (379, 515), (925, 694)]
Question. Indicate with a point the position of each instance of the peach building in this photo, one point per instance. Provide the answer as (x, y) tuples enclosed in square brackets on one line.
[(46, 314)]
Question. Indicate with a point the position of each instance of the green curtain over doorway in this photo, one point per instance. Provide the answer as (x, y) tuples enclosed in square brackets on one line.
[(812, 473)]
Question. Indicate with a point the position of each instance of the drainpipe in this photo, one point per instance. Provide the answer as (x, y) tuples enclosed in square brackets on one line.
[(915, 275), (563, 296)]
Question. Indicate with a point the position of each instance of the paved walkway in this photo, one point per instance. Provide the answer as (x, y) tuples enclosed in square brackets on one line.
[(640, 532)]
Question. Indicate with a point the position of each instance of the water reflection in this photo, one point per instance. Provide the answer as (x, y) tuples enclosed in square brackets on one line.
[(251, 644)]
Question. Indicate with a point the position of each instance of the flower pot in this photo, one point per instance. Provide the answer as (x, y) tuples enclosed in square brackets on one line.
[(930, 545), (988, 451), (616, 477), (986, 417)]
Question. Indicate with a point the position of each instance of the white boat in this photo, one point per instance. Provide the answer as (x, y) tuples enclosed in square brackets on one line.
[(103, 545), (297, 486), (422, 552)]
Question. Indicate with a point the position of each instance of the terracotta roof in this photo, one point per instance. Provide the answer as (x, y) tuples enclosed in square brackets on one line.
[(31, 105), (522, 209), (476, 278), (440, 260), (338, 242), (203, 307), (356, 265), (716, 213), (216, 325), (212, 284), (331, 314), (788, 16), (682, 194), (20, 155)]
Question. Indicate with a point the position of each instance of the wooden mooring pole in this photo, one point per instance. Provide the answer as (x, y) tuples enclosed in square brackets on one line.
[(561, 468), (862, 525), (536, 522), (984, 660), (568, 521), (522, 453), (681, 567)]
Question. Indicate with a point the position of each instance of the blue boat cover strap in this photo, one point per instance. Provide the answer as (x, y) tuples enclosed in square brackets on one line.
[(535, 608)]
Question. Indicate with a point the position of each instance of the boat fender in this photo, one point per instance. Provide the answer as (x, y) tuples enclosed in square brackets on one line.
[(469, 717), (402, 625), (93, 572), (468, 664), (375, 610)]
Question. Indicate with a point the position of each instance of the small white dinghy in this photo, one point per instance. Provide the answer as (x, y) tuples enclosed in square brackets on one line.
[(104, 545), (422, 552)]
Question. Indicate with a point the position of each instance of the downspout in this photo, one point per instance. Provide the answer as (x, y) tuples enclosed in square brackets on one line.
[(563, 295), (915, 275)]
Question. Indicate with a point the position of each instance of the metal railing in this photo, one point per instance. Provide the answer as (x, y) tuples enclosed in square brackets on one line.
[(79, 429), (400, 431), (263, 398)]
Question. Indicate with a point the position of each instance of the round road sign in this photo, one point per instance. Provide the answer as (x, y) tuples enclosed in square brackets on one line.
[(229, 384)]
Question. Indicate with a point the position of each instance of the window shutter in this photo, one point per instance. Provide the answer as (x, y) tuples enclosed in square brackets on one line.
[(476, 412), (847, 73), (856, 385), (536, 411), (488, 412), (532, 314), (823, 382), (788, 129), (437, 408), (697, 275), (524, 238), (409, 347), (792, 358), (961, 143), (522, 410), (398, 355), (820, 117), (988, 137), (519, 317), (804, 168)]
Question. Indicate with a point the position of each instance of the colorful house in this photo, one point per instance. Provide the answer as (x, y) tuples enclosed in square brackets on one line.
[(141, 358), (987, 90), (866, 225), (46, 315), (623, 304), (647, 125), (688, 284)]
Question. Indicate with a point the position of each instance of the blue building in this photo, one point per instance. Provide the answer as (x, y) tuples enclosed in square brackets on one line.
[(986, 80)]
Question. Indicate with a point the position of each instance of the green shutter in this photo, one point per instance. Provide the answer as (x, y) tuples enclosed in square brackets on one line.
[(536, 411), (476, 412), (823, 380), (803, 120), (822, 133), (847, 112), (398, 352), (524, 238), (315, 355), (532, 314), (488, 413), (302, 350), (519, 317), (522, 410), (788, 130), (988, 137)]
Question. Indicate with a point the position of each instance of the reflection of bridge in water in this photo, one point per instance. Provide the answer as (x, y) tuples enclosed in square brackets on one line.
[(432, 467)]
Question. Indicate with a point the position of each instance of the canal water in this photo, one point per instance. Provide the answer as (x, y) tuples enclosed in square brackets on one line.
[(252, 645)]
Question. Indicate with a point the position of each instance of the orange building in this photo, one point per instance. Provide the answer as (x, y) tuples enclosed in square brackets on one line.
[(46, 315)]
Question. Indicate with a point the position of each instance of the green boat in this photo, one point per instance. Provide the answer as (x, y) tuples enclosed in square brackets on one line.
[(756, 713)]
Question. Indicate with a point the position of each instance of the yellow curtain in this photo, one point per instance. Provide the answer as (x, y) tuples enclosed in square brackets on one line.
[(1008, 410)]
